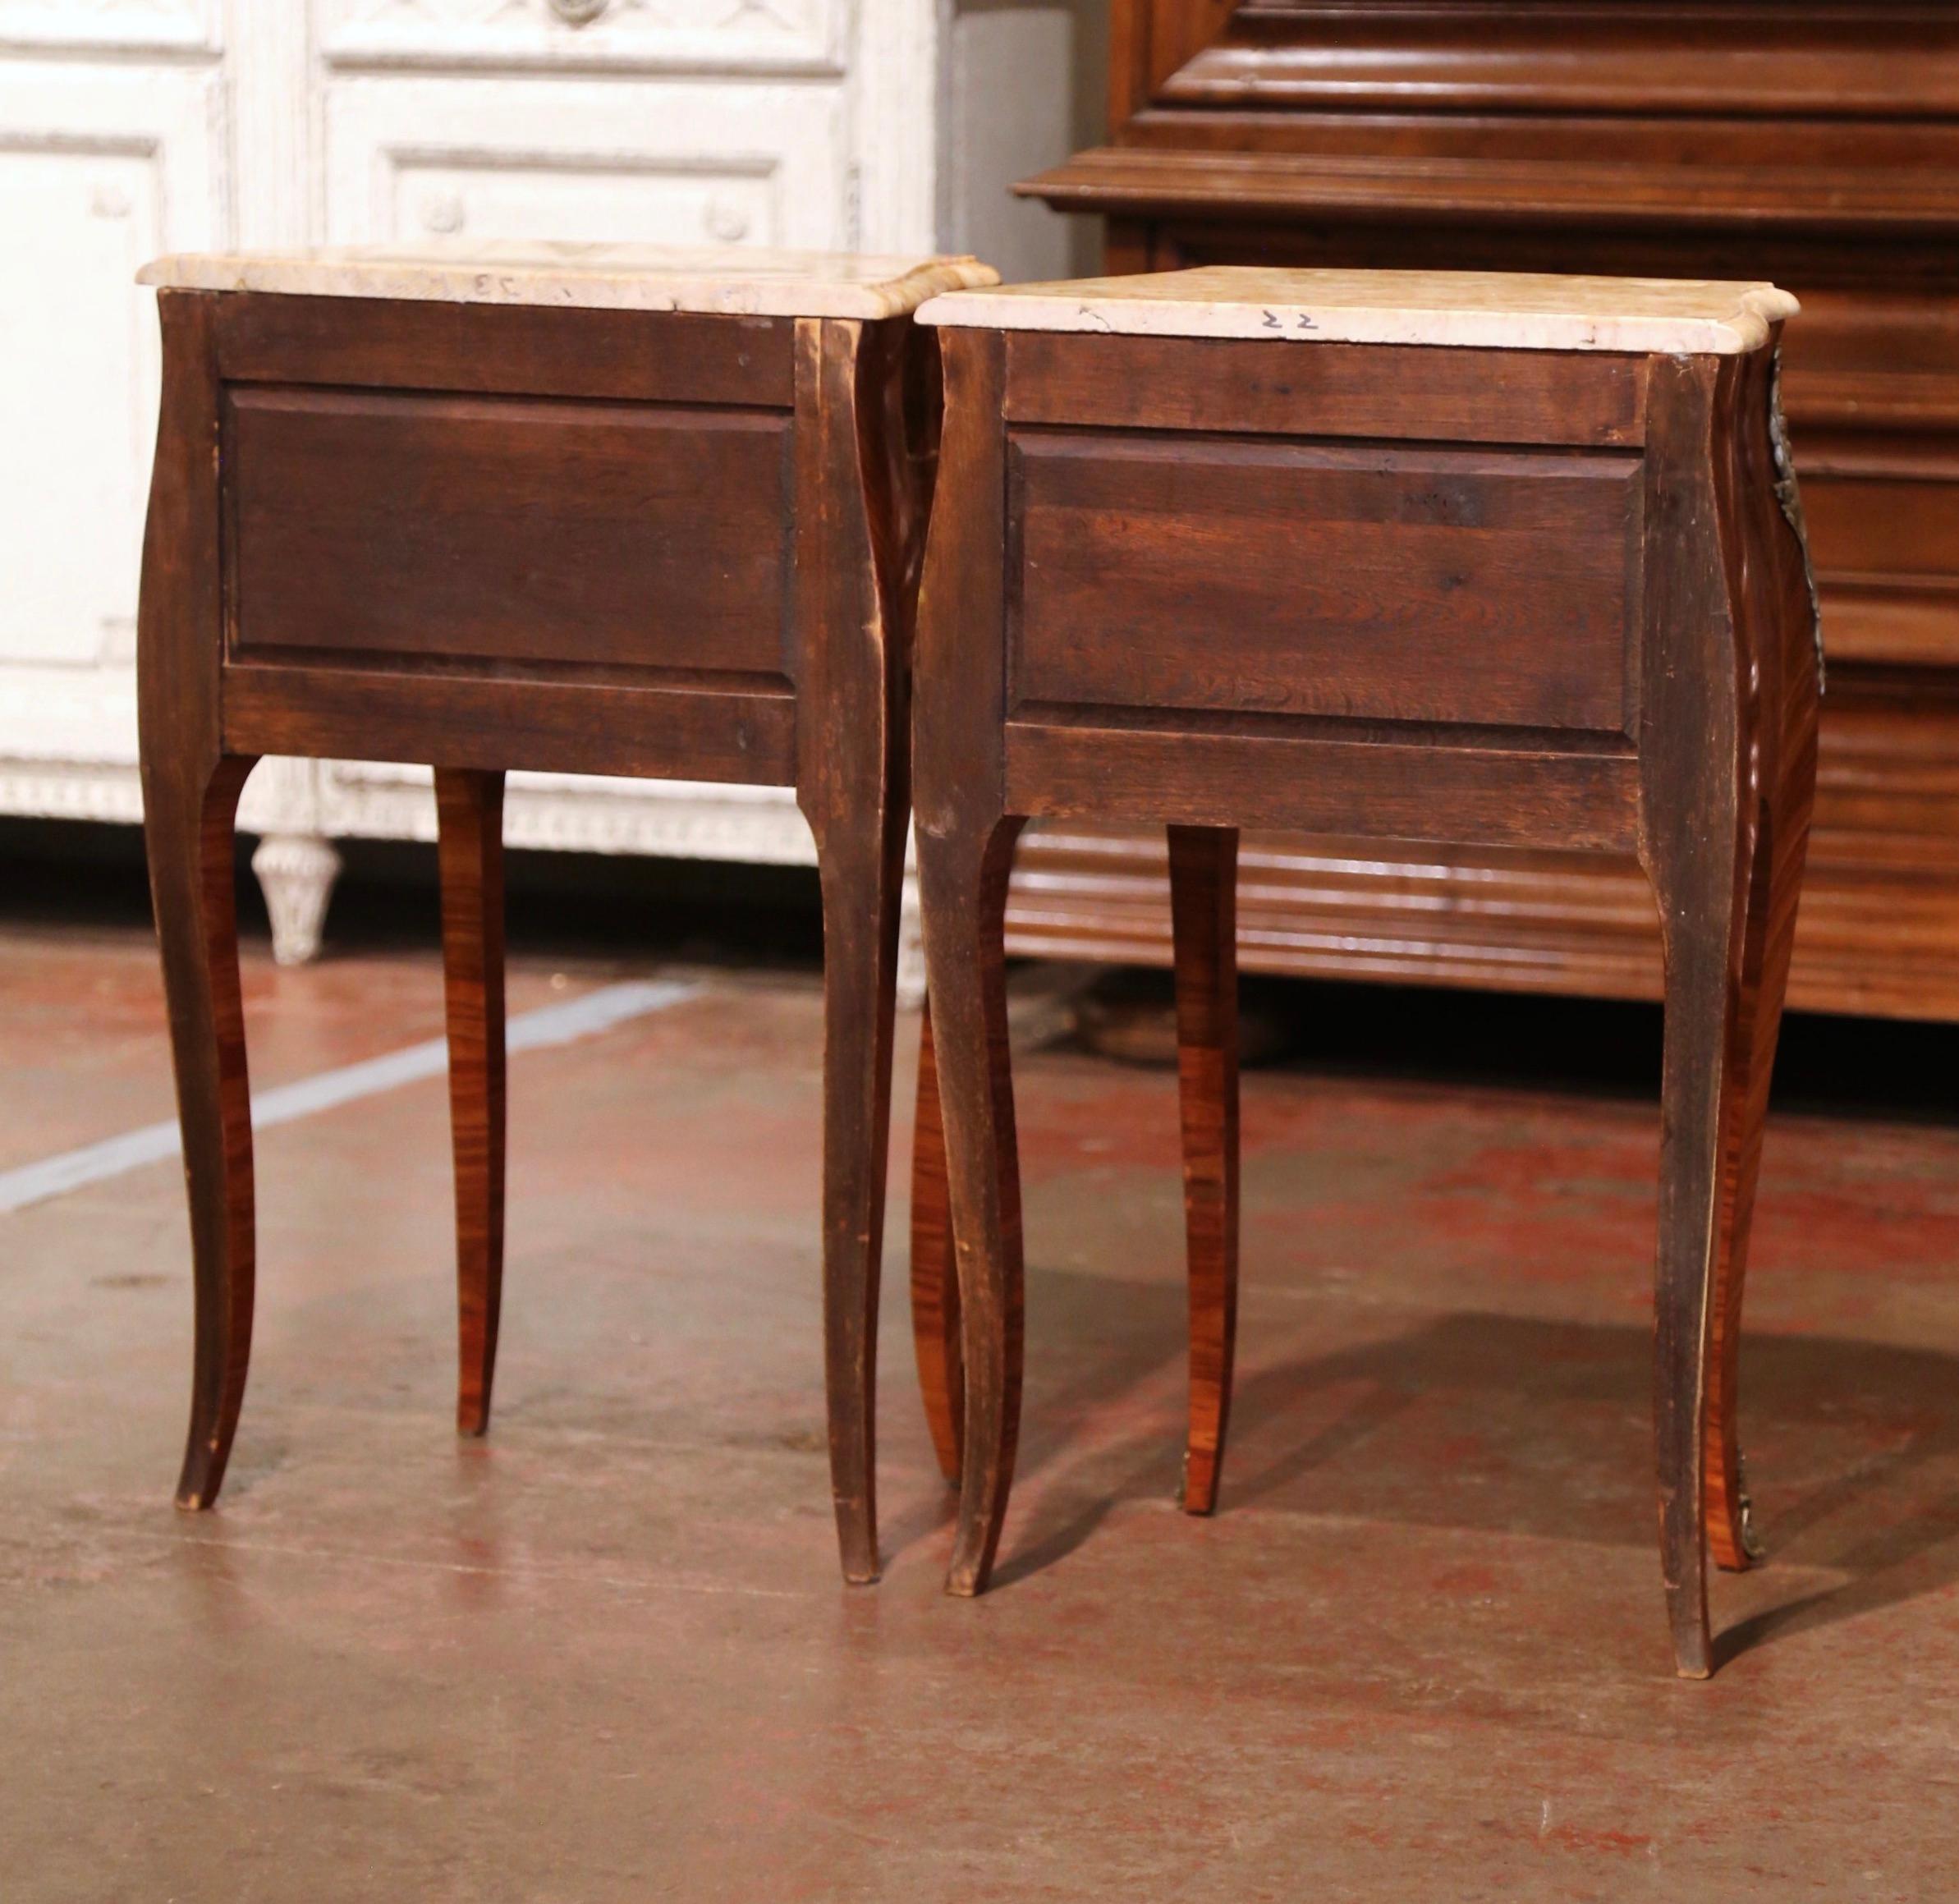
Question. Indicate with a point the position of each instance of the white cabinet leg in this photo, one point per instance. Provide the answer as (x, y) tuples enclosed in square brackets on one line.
[(295, 873)]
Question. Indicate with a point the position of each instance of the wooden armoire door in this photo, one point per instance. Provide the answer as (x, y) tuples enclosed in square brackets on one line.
[(1814, 145)]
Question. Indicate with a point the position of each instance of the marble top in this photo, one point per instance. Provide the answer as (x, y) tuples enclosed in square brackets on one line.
[(1512, 311), (726, 280)]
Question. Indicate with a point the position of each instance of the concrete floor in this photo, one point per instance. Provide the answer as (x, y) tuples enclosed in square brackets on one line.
[(606, 1655)]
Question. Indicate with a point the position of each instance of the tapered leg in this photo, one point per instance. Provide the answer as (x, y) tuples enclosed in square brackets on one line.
[(188, 834), (468, 807), (1204, 863), (963, 880), (934, 1281), (862, 880)]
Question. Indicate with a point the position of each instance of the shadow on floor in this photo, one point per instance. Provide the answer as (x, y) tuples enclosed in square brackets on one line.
[(1856, 1443)]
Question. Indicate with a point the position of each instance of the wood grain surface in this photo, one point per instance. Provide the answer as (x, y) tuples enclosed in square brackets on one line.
[(468, 806)]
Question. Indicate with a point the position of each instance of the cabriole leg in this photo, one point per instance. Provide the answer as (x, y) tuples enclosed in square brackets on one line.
[(188, 833), (964, 878), (1729, 764)]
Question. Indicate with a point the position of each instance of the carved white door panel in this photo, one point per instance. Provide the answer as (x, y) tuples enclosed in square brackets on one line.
[(693, 36), (101, 167), (119, 26), (629, 161)]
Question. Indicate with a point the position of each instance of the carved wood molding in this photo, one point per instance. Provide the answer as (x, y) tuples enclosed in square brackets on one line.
[(1624, 57), (1921, 203), (62, 790)]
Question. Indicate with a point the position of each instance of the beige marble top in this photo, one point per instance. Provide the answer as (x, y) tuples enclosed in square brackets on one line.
[(1494, 310), (726, 280)]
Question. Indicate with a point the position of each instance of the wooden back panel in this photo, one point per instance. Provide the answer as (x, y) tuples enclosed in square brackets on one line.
[(1222, 577), (1273, 575), (500, 528), (492, 536)]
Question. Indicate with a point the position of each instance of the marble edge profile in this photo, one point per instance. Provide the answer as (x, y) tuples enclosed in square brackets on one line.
[(700, 292), (1747, 328)]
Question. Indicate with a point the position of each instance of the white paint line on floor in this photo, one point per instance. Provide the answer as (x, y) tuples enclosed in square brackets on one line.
[(576, 1018)]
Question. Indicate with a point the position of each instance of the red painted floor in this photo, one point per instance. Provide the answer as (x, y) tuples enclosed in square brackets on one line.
[(1419, 1653)]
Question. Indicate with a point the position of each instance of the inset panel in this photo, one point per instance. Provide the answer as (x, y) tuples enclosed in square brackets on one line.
[(617, 159), (77, 383), (607, 200), (116, 26), (1390, 582), (622, 535)]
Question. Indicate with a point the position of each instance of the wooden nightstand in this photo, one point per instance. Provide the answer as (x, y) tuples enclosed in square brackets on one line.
[(578, 509), (1508, 562)]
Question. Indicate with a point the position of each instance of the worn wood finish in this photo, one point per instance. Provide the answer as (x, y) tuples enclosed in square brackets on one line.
[(495, 537), (558, 720), (935, 1319), (965, 850), (1769, 590), (468, 807), (1809, 142), (1203, 878), (190, 789), (1343, 777), (854, 609), (1671, 698), (963, 886), (507, 350), (1342, 390), (1695, 853)]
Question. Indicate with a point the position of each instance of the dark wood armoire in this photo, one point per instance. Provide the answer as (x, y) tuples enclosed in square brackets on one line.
[(1815, 144)]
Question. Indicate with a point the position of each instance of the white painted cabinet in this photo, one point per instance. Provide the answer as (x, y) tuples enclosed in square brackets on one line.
[(112, 142), (129, 127)]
